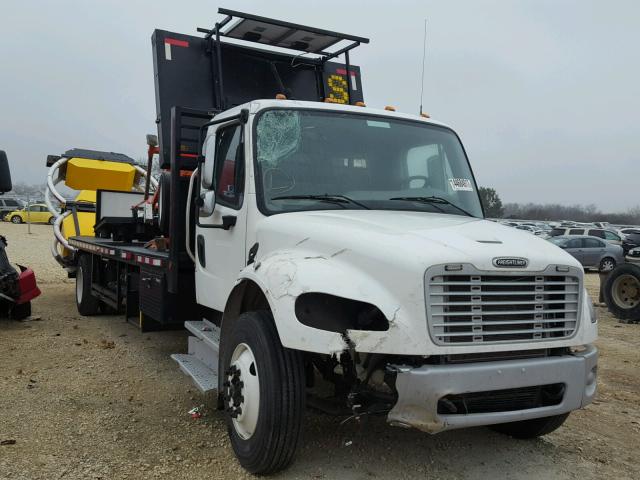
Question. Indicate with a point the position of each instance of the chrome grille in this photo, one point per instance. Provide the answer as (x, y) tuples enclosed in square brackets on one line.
[(478, 307)]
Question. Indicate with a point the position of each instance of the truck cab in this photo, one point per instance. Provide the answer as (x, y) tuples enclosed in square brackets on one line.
[(324, 253), (360, 235)]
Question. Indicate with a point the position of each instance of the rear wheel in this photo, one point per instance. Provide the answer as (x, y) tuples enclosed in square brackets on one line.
[(16, 219), (534, 428), (607, 264), (263, 393), (622, 292), (87, 304)]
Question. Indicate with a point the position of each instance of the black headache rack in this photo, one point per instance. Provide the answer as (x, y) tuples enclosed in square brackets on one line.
[(229, 66)]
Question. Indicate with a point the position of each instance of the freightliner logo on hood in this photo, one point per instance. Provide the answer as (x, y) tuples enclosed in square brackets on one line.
[(510, 262)]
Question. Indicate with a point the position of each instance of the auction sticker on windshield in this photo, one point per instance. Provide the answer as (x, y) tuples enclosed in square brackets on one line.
[(461, 184)]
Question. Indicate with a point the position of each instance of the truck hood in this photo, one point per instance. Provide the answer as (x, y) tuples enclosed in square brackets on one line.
[(415, 239)]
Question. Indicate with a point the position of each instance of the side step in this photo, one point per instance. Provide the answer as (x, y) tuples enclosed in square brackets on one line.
[(201, 363)]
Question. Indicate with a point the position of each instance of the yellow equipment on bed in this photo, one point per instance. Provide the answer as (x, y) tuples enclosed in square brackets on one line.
[(86, 171)]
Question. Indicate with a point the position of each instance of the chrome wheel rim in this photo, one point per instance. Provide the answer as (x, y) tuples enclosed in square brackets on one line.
[(607, 265), (626, 291), (242, 391)]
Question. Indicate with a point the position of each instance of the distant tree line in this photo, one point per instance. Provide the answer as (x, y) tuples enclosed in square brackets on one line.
[(494, 208), (24, 190)]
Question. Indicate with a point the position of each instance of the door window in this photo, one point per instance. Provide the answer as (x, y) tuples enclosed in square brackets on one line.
[(611, 236), (597, 233), (576, 231), (593, 243), (11, 203), (574, 243), (229, 166)]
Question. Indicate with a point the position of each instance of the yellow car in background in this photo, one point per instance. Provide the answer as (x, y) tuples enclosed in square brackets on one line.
[(37, 213)]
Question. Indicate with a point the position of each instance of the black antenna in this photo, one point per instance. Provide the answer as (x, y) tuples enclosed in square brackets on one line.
[(424, 54)]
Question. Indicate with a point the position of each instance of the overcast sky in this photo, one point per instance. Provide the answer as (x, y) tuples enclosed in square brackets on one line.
[(544, 94)]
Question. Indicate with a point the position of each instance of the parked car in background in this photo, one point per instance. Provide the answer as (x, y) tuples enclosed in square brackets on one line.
[(8, 205), (608, 235), (629, 230), (631, 235), (633, 255), (591, 252), (37, 213), (604, 225)]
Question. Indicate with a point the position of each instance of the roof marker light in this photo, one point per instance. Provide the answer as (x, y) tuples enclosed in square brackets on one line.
[(281, 96), (425, 115), (360, 104), (390, 108)]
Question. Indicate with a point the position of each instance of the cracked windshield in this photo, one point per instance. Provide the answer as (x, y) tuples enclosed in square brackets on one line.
[(313, 160)]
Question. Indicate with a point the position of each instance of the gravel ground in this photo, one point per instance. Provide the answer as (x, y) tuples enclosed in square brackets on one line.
[(95, 398)]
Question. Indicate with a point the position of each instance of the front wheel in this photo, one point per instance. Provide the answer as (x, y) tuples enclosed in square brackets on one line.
[(16, 219), (534, 428), (52, 220), (263, 393)]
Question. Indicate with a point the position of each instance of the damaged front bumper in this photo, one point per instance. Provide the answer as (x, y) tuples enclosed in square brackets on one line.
[(422, 390)]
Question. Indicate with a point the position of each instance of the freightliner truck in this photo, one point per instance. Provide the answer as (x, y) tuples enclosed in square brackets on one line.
[(325, 254)]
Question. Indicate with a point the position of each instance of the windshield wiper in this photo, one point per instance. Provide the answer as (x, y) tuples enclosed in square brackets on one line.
[(433, 200), (337, 199)]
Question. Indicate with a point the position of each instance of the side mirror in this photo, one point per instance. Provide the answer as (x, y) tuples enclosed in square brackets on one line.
[(206, 203), (5, 173), (208, 166)]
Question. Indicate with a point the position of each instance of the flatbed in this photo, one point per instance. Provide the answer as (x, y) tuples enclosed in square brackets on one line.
[(132, 253)]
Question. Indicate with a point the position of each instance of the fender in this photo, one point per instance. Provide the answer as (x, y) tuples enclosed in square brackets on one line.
[(284, 275)]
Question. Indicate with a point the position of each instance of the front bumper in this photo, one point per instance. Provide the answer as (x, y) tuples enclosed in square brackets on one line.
[(420, 389)]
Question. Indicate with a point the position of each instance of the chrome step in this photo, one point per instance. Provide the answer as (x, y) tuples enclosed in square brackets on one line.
[(203, 377), (201, 363), (205, 331)]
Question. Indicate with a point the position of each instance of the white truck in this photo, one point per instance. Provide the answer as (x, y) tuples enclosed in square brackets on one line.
[(328, 254)]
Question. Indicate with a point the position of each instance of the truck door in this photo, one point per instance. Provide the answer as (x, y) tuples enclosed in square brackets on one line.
[(219, 249)]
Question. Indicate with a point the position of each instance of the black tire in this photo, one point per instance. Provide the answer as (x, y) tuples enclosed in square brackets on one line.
[(280, 372), (16, 219), (607, 264), (534, 428), (623, 307), (22, 311), (164, 202), (87, 304), (52, 220)]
